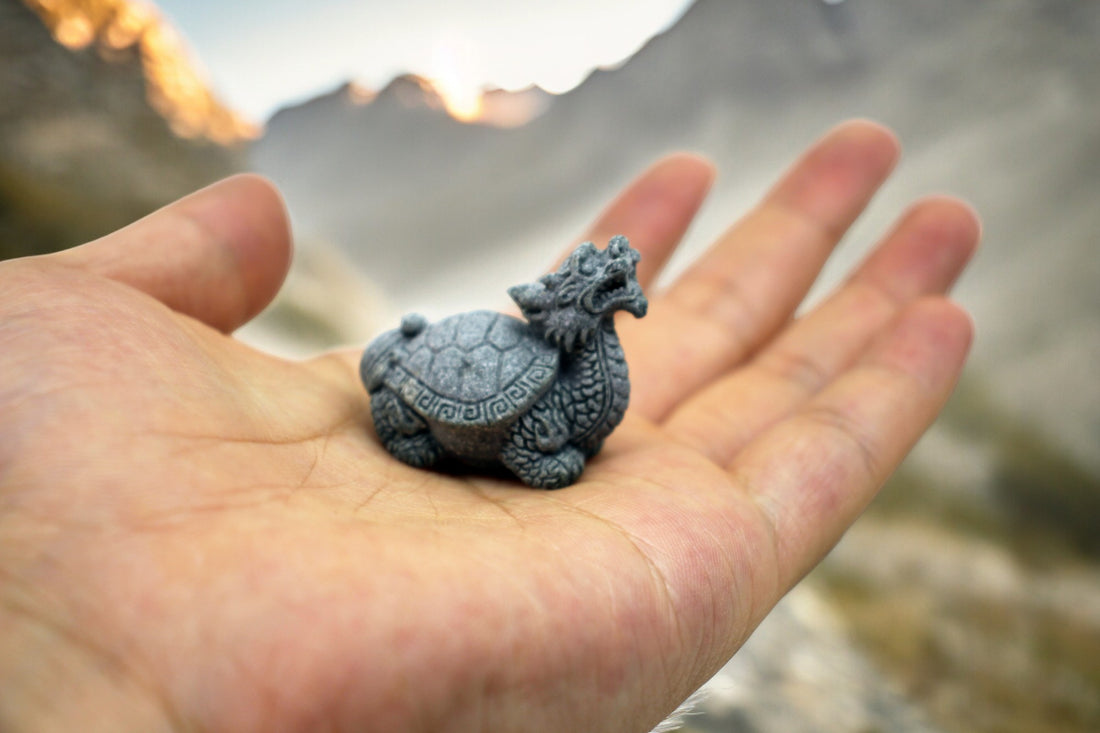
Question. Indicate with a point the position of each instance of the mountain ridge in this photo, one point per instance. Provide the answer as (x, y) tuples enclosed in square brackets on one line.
[(84, 149)]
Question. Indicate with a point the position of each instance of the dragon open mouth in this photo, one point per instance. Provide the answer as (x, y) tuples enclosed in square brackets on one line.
[(611, 289), (617, 290)]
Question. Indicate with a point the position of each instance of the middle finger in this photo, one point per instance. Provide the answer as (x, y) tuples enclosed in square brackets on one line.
[(751, 281)]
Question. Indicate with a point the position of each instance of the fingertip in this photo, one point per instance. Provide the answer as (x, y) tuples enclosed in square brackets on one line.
[(247, 216), (869, 133), (695, 170), (833, 181), (662, 199), (950, 218), (962, 324), (931, 339), (952, 225), (218, 255), (669, 195), (927, 249), (950, 322), (656, 209)]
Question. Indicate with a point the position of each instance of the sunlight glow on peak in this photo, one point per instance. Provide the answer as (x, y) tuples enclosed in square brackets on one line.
[(173, 87), (464, 103), (452, 80)]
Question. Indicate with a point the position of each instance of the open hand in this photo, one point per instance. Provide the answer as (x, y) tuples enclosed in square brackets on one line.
[(198, 536)]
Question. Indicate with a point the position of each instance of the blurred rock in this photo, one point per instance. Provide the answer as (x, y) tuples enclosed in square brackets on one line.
[(983, 637), (325, 302), (82, 149), (799, 673), (1015, 464)]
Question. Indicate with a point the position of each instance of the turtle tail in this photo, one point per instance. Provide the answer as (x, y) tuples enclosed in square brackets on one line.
[(413, 324)]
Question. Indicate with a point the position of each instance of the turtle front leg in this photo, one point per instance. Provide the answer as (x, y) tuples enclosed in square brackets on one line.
[(404, 433), (543, 470), (537, 450)]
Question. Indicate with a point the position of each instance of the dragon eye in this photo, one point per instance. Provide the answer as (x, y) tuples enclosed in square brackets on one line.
[(587, 267)]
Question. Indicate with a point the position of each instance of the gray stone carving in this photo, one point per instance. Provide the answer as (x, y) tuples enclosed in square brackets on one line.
[(538, 397)]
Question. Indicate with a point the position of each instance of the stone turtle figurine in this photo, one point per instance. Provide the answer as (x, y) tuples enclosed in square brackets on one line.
[(538, 396)]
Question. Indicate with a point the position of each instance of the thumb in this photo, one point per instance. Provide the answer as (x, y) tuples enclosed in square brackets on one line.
[(218, 255)]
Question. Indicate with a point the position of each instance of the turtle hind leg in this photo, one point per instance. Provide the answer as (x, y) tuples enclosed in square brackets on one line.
[(404, 433), (537, 448), (543, 470), (419, 451)]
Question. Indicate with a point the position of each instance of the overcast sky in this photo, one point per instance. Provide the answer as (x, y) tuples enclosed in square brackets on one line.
[(262, 54)]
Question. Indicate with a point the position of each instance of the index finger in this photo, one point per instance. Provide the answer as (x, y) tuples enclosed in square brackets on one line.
[(655, 210)]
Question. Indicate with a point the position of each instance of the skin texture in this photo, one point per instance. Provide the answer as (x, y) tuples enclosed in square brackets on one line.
[(198, 536)]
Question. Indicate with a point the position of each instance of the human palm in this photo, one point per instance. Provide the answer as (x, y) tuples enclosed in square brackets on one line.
[(198, 536)]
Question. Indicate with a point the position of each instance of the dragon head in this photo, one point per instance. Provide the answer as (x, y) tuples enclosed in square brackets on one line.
[(569, 305)]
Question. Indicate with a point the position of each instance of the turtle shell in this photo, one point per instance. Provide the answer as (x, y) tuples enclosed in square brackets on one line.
[(473, 369)]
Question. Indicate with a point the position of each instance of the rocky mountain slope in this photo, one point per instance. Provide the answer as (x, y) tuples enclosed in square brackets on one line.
[(86, 143)]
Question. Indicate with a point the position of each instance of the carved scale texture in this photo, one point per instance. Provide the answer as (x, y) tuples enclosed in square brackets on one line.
[(479, 369), (595, 388)]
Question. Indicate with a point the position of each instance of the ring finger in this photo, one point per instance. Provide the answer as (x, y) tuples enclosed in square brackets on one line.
[(923, 255)]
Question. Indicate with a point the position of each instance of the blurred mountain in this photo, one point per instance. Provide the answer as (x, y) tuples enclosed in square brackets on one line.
[(102, 120), (745, 82), (352, 165)]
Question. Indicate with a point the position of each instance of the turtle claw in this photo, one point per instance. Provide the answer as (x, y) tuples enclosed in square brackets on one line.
[(419, 451), (404, 434), (544, 470)]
